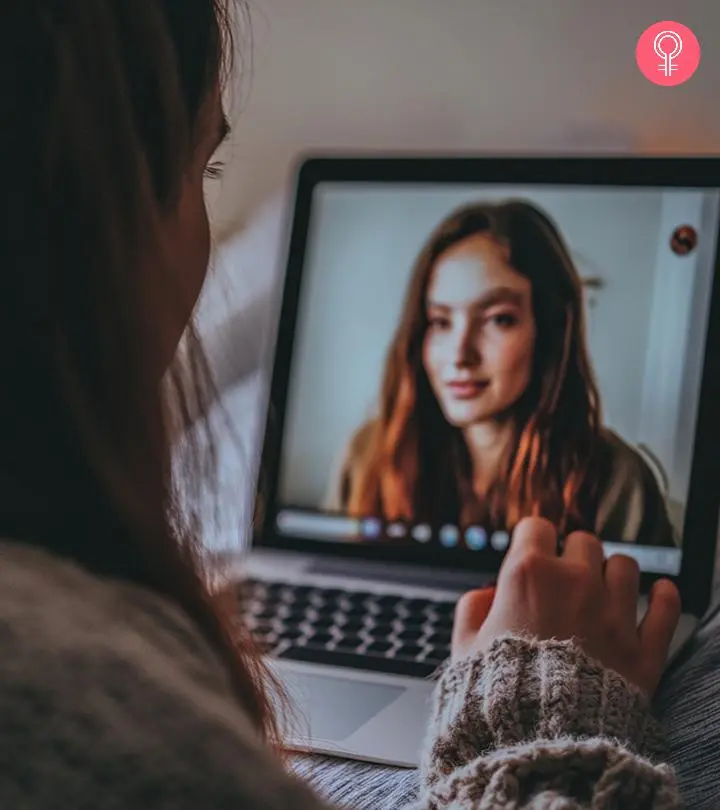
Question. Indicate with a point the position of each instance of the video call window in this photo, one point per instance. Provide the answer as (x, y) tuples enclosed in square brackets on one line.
[(469, 356)]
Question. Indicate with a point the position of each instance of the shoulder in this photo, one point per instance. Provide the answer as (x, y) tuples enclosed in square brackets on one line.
[(60, 606), (629, 467), (632, 505), (623, 456), (110, 691), (355, 454), (361, 440), (351, 459)]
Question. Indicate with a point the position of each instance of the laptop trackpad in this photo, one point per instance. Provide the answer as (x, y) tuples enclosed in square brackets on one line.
[(338, 706)]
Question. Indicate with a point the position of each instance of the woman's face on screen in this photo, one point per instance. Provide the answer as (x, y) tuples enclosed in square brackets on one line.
[(478, 348)]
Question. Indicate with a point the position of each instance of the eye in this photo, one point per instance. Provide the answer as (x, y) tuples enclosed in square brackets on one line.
[(505, 320), (438, 322), (214, 171)]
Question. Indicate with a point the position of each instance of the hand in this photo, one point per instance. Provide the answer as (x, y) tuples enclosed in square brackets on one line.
[(578, 596)]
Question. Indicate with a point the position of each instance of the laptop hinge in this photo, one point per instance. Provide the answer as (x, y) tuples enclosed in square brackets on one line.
[(418, 576)]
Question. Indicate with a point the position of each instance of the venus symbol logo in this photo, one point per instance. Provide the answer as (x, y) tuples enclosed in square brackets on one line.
[(673, 43), (668, 53)]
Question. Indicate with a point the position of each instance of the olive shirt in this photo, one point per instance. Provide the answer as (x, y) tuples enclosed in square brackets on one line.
[(632, 508)]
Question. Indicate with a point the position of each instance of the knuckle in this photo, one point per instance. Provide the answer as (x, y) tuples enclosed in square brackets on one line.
[(669, 595), (624, 564), (531, 532), (579, 574), (530, 565), (583, 539), (531, 525)]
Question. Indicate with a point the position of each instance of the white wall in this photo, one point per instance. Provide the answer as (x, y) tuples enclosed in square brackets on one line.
[(677, 333), (462, 75), (363, 244)]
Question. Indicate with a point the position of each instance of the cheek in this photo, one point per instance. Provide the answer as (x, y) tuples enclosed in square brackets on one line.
[(514, 352), (432, 356), (199, 231), (193, 244)]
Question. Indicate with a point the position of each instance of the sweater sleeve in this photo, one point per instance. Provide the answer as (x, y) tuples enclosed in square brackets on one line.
[(113, 700), (533, 725)]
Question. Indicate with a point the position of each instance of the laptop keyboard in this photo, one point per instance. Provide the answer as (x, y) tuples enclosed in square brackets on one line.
[(353, 629)]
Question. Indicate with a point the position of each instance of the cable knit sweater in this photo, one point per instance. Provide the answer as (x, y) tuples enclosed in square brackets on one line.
[(110, 699)]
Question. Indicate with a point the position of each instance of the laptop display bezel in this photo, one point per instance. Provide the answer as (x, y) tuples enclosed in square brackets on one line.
[(703, 501)]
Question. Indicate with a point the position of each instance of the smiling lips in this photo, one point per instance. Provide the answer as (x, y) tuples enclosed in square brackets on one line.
[(466, 389)]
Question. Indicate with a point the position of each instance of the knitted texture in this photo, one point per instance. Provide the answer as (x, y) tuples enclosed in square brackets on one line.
[(111, 699), (539, 725)]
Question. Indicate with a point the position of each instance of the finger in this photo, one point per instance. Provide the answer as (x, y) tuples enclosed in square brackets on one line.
[(622, 579), (471, 611), (584, 548), (533, 535), (659, 624)]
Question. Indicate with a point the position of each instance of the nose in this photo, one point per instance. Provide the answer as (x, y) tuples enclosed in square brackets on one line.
[(467, 349)]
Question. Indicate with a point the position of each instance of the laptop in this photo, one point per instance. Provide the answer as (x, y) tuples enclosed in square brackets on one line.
[(461, 339)]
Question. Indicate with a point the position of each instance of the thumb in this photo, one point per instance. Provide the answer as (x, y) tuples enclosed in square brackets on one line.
[(470, 614)]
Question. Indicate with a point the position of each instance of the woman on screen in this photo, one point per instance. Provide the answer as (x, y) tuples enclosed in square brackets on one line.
[(489, 411)]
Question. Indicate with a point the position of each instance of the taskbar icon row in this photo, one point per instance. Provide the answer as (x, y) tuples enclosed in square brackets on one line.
[(474, 538)]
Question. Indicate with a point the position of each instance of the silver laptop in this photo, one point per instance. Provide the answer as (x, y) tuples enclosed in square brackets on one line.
[(462, 341)]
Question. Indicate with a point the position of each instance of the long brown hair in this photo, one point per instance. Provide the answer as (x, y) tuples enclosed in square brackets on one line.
[(417, 465), (101, 104)]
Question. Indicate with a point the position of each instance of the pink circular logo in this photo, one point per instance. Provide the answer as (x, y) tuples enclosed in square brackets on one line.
[(668, 53)]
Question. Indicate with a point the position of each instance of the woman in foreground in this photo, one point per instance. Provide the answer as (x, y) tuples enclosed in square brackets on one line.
[(122, 683)]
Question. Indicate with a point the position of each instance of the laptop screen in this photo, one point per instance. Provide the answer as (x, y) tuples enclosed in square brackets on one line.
[(466, 356)]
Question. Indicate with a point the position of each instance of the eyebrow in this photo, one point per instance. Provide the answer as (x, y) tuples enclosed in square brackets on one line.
[(498, 295)]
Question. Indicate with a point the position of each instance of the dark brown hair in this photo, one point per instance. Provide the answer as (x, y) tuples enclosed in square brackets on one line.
[(417, 465), (101, 104)]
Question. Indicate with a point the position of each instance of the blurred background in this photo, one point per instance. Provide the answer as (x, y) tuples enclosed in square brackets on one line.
[(458, 75), (479, 76)]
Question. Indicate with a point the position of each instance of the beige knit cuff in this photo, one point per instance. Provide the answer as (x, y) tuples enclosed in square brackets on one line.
[(523, 690)]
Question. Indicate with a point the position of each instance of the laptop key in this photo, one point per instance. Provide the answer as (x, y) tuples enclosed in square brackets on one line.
[(388, 601), (438, 654), (266, 613), (359, 597), (379, 647), (416, 606), (262, 628), (381, 631), (444, 623), (302, 590), (333, 593), (352, 627), (410, 634), (368, 663), (290, 633), (439, 639), (320, 637), (356, 612), (346, 646), (323, 622), (409, 651), (385, 616)]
